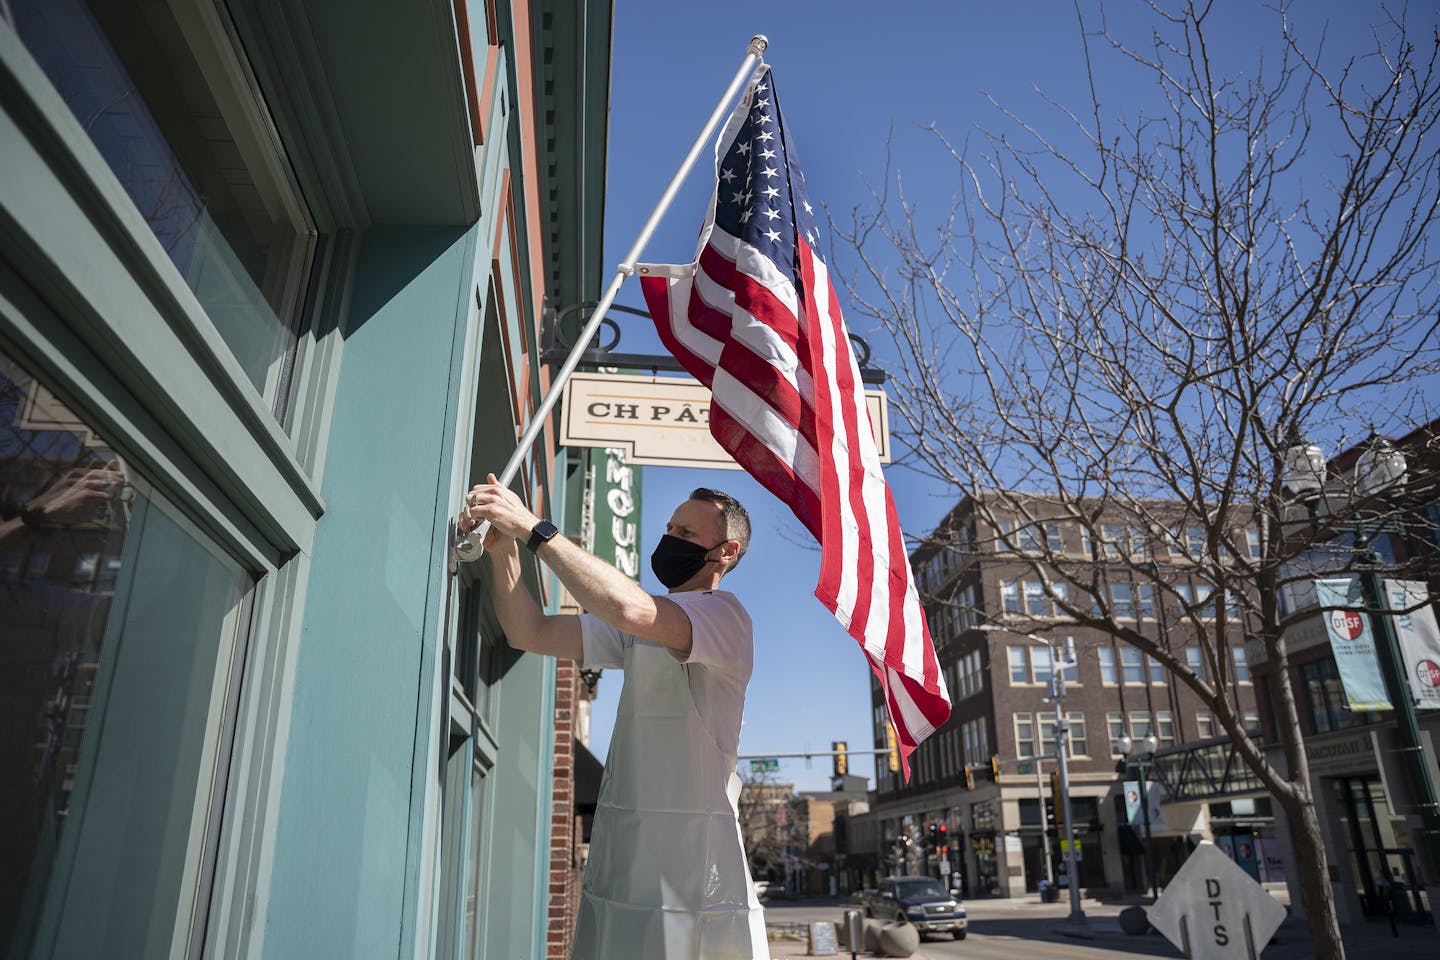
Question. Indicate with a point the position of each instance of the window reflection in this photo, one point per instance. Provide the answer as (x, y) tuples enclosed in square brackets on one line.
[(161, 94), (116, 615)]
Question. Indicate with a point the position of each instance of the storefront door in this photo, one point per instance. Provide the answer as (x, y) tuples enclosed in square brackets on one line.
[(1379, 855)]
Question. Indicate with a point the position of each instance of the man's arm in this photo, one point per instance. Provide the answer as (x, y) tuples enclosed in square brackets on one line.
[(599, 588), (526, 626)]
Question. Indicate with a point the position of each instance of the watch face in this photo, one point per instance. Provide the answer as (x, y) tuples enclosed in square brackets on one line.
[(545, 529)]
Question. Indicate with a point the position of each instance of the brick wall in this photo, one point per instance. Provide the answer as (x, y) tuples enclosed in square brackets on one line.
[(564, 823)]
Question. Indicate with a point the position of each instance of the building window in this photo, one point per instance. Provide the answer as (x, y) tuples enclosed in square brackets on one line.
[(1251, 721), (1325, 697), (1029, 664), (1122, 601), (1242, 664), (1053, 539), (1146, 594), (1253, 545), (1195, 660), (1165, 728), (1079, 740), (1010, 596), (160, 95), (1204, 725), (1114, 728), (1132, 665), (1024, 735), (1019, 668), (122, 707), (1140, 725), (1157, 669), (1107, 665), (1195, 542)]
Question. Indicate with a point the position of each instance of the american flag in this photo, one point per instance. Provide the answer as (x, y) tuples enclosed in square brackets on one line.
[(755, 319)]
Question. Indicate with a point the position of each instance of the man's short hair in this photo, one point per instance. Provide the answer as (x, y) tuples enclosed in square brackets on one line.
[(737, 520)]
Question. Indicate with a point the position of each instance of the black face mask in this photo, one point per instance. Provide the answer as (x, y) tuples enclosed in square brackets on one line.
[(675, 561)]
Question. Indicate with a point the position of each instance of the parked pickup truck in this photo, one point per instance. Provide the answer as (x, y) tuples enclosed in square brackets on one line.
[(918, 900)]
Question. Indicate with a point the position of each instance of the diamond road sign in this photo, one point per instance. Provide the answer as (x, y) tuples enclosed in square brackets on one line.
[(768, 765), (1212, 908)]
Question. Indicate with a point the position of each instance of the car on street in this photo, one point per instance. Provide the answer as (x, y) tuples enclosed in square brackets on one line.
[(921, 901)]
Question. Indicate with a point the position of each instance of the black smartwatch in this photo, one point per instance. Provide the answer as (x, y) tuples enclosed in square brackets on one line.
[(542, 532)]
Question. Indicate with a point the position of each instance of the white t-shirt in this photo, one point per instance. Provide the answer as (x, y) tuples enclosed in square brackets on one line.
[(721, 658)]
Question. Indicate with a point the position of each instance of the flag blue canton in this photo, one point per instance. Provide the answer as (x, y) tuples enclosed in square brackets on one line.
[(761, 197)]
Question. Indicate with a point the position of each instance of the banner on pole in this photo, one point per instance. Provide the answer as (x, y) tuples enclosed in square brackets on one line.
[(1419, 638), (1135, 814), (1354, 647)]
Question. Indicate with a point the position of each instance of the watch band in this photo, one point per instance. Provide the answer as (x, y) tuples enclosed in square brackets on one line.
[(542, 532)]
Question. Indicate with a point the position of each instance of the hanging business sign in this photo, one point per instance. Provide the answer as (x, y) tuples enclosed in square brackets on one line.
[(664, 421), (611, 515), (1419, 638), (1354, 647)]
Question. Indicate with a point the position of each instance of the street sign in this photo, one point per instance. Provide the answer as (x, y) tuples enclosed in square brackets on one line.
[(768, 765), (1213, 910)]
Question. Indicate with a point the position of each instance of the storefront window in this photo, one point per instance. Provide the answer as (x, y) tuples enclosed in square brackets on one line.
[(1325, 697), (161, 92), (119, 617)]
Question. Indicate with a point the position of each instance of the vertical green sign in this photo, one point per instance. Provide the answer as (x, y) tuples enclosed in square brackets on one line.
[(612, 510)]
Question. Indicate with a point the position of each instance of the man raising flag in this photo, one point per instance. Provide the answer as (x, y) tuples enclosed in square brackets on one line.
[(756, 319)]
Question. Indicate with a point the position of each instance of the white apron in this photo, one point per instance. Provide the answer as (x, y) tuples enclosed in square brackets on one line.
[(667, 877)]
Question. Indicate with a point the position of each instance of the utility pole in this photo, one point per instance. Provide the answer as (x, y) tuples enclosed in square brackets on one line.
[(1061, 658)]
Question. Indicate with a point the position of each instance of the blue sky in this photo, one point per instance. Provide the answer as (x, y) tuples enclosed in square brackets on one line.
[(852, 76)]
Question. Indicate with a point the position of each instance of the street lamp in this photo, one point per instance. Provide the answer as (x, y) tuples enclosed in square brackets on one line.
[(1144, 752), (1378, 470), (1062, 657)]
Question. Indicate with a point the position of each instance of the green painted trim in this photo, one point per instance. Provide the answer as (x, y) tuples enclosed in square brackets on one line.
[(73, 233), (431, 729), (79, 377)]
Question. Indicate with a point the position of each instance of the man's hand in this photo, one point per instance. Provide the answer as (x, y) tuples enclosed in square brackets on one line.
[(508, 517)]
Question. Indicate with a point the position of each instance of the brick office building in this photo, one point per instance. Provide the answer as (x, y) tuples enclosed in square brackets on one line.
[(972, 573)]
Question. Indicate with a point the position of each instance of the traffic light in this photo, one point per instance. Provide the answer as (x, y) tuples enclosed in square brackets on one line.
[(1049, 814), (969, 778), (1056, 799), (842, 761), (943, 840), (994, 767), (933, 841)]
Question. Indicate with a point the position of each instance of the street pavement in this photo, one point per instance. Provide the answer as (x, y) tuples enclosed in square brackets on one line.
[(1024, 929)]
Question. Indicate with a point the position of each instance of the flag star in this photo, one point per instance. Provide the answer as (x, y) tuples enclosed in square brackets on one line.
[(766, 136), (770, 172), (737, 197), (726, 175), (762, 103), (770, 193), (808, 208), (767, 154), (765, 118), (746, 215), (761, 89), (744, 147), (771, 212), (772, 235)]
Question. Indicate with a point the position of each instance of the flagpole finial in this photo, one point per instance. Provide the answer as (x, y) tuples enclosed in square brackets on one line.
[(758, 44)]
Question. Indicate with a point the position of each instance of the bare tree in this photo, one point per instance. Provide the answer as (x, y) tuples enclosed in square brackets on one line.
[(772, 834), (1135, 317)]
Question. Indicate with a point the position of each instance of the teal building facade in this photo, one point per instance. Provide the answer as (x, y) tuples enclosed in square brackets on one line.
[(272, 280)]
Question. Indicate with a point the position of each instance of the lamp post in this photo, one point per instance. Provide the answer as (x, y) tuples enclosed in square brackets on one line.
[(1144, 753), (1062, 656), (1380, 469)]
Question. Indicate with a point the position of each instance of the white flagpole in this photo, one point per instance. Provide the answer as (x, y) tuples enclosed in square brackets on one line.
[(471, 545)]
